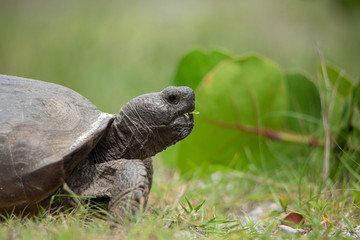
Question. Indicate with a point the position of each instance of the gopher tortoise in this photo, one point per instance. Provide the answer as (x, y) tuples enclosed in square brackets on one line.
[(51, 135)]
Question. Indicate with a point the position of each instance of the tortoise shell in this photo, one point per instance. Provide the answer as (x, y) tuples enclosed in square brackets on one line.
[(45, 131)]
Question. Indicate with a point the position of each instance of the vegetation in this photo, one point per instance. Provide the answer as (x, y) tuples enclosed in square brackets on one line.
[(226, 205), (268, 141)]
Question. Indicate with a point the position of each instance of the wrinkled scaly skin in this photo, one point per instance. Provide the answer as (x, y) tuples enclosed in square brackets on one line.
[(119, 169)]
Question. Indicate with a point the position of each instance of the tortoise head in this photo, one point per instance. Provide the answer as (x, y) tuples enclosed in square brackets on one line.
[(167, 113), (158, 120), (148, 124)]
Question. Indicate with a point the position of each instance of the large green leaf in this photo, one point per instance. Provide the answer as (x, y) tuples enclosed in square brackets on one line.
[(247, 92), (304, 111), (195, 65), (351, 123), (339, 80), (357, 95), (336, 104), (191, 70)]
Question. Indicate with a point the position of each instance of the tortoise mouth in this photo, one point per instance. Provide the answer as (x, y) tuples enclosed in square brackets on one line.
[(185, 119), (183, 124)]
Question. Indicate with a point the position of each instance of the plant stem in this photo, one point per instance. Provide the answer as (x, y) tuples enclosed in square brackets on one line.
[(327, 102), (269, 133)]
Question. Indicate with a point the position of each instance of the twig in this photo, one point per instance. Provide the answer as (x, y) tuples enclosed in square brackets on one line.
[(269, 133)]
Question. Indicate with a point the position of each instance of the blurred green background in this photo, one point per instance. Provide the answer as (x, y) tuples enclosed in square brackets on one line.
[(111, 51)]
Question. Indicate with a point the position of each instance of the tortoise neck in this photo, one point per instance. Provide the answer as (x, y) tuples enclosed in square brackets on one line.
[(127, 137)]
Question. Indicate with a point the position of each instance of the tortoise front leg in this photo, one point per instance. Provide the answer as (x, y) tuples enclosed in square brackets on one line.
[(124, 184), (131, 187)]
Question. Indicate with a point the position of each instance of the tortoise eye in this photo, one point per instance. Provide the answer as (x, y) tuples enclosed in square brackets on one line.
[(172, 99)]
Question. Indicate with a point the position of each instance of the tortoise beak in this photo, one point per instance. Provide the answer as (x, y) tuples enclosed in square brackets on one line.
[(184, 119)]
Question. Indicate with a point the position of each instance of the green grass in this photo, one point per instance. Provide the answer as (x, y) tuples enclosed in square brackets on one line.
[(226, 205)]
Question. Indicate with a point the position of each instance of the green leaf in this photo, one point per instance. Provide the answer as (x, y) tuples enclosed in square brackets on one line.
[(350, 131), (350, 225), (338, 79), (357, 95), (197, 208), (189, 204), (304, 111), (246, 91), (195, 65), (184, 208), (284, 201)]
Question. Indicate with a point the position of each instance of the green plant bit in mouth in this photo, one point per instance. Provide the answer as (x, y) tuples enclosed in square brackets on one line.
[(195, 112)]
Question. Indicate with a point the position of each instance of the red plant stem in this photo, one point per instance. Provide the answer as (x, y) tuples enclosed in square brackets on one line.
[(269, 133)]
